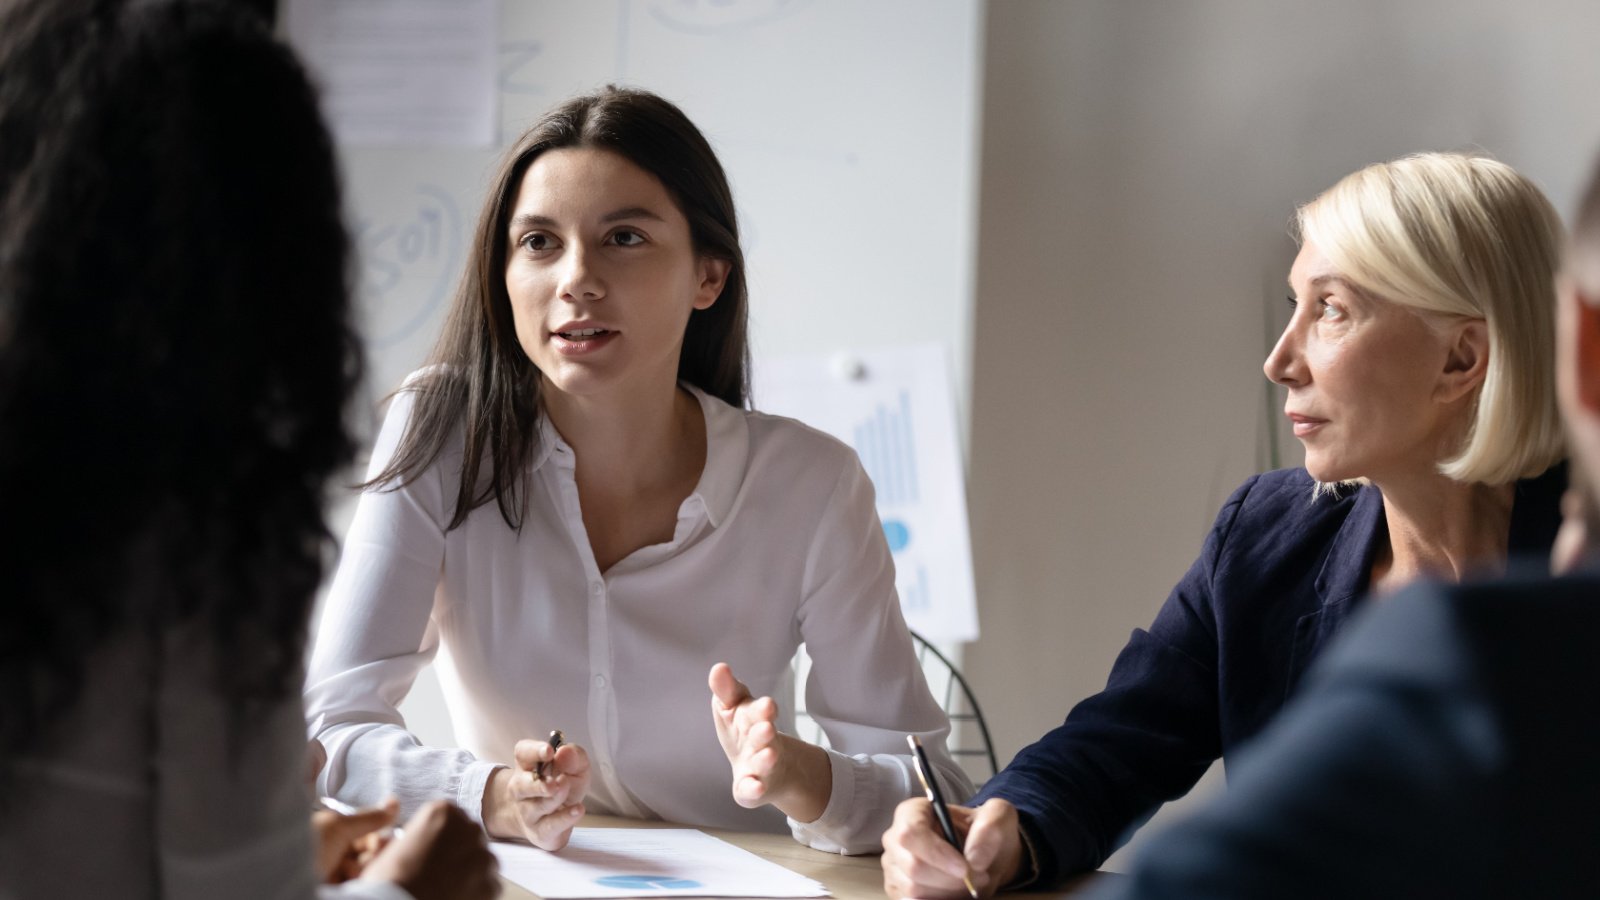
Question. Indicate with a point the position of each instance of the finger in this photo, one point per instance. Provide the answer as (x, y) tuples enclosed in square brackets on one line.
[(925, 844), (728, 690), (529, 753), (572, 760), (993, 824), (749, 791), (762, 764), (575, 772), (765, 709), (553, 831), (346, 829), (927, 878), (759, 736), (551, 791)]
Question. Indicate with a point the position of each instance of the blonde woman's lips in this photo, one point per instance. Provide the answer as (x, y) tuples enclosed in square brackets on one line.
[(1305, 425)]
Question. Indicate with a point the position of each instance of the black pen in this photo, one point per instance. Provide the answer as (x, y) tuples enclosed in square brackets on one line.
[(931, 786), (556, 740)]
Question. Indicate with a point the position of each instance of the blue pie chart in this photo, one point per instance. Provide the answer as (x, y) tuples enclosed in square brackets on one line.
[(897, 533), (647, 882)]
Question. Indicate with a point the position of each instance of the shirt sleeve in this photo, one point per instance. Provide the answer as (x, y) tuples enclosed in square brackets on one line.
[(1374, 782), (378, 631), (866, 688), (1143, 740)]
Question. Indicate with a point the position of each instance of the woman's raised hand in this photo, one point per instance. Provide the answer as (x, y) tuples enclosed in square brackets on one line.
[(768, 767)]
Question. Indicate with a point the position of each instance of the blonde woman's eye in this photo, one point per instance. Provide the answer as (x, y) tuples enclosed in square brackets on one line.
[(1329, 312)]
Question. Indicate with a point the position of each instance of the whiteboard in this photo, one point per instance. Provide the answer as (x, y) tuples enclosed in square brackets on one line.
[(848, 130)]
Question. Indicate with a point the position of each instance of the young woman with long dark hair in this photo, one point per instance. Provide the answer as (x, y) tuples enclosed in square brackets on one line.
[(573, 501)]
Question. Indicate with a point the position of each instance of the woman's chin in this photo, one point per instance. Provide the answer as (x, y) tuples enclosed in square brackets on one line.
[(1329, 471)]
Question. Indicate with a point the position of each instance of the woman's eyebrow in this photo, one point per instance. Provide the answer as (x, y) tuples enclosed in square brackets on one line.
[(531, 220), (1320, 280), (631, 212)]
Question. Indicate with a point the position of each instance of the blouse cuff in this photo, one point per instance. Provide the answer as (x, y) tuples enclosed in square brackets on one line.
[(474, 780), (832, 831)]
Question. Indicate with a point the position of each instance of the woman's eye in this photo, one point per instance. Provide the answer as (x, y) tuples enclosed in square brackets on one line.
[(1328, 312), (536, 242), (627, 238)]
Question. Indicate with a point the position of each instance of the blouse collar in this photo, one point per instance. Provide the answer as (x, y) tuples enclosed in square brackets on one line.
[(727, 453)]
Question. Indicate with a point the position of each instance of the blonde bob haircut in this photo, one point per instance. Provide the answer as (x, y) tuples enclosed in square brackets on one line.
[(1457, 235)]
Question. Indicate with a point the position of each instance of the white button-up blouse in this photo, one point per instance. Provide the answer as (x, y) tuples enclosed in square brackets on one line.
[(778, 545)]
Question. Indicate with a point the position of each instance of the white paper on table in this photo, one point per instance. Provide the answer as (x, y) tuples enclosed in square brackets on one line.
[(895, 406), (407, 72), (648, 862)]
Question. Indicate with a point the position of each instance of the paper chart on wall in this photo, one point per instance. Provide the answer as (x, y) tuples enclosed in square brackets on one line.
[(895, 406), (402, 72), (648, 862)]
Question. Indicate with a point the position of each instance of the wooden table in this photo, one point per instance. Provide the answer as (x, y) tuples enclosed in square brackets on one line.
[(847, 877)]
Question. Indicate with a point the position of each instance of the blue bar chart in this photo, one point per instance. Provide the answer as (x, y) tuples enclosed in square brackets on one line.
[(894, 407)]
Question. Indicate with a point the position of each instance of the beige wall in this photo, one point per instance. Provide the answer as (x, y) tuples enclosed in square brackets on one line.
[(1140, 163)]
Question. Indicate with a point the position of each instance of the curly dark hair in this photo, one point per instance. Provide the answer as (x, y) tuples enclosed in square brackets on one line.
[(176, 353)]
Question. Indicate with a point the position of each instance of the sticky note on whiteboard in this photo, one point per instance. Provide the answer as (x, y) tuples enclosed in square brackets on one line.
[(895, 406)]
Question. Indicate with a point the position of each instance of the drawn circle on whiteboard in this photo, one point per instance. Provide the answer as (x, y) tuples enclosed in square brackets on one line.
[(408, 264), (647, 882), (897, 533)]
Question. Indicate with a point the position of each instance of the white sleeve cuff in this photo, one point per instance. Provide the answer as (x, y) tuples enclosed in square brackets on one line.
[(469, 790), (845, 822)]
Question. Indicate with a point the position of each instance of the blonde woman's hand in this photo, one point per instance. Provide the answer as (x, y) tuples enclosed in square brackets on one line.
[(918, 862)]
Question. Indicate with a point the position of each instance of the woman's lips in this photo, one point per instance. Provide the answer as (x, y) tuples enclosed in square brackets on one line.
[(581, 341), (1305, 425)]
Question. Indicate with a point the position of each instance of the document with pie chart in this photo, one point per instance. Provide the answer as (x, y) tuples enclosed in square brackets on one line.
[(896, 407), (648, 862)]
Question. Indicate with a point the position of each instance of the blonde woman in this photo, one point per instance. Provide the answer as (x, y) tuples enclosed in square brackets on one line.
[(1417, 369)]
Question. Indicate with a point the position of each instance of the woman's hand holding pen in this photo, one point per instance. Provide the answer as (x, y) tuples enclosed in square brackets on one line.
[(346, 839), (440, 856), (919, 862), (768, 767), (523, 803), (347, 842)]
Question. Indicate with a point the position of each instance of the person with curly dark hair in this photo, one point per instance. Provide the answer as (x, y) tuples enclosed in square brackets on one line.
[(176, 357)]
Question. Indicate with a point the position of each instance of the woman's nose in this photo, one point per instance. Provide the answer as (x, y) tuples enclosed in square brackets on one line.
[(1285, 365), (581, 278)]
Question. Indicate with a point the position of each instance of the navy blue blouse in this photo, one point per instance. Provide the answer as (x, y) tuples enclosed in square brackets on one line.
[(1280, 573)]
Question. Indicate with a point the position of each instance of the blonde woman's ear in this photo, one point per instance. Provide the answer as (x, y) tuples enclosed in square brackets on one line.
[(1466, 361)]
